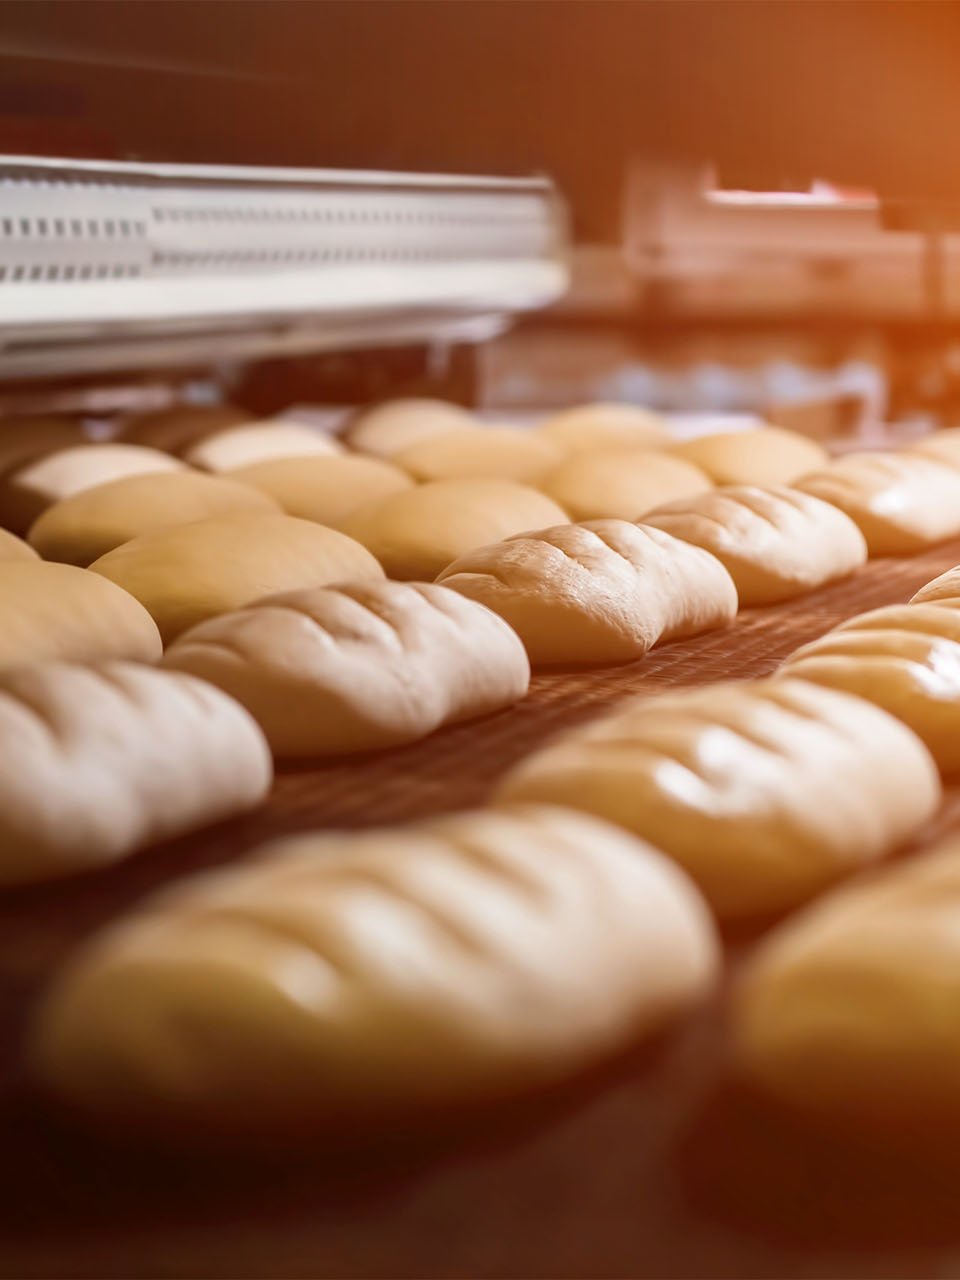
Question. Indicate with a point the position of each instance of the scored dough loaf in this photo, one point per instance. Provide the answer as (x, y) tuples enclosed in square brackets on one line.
[(765, 792), (776, 542), (175, 430), (114, 757), (621, 484), (493, 453), (417, 532), (56, 612), (358, 667), (81, 528), (605, 426), (325, 488), (943, 589), (599, 592), (848, 1013), (187, 574), (763, 456), (256, 442), (906, 659), (26, 493), (346, 978), (901, 501), (386, 429)]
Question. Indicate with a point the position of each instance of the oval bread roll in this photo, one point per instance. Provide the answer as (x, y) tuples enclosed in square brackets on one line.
[(599, 592), (358, 667), (175, 430), (341, 978), (848, 1013), (26, 493), (56, 612), (777, 543), (386, 429), (14, 548), (416, 533), (80, 529), (906, 659), (605, 426), (494, 453), (764, 456), (901, 501), (325, 488), (115, 757), (187, 574), (945, 588), (621, 484), (941, 446), (765, 793), (256, 442)]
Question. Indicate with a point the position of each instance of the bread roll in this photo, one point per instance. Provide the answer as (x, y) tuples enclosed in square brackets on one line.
[(494, 453), (621, 484), (80, 529), (324, 488), (941, 446), (777, 543), (14, 548), (386, 429), (764, 456), (943, 589), (765, 793), (256, 442), (901, 501), (175, 430), (344, 979), (26, 493), (55, 612), (416, 533), (114, 757), (605, 426), (599, 592), (192, 572), (357, 667)]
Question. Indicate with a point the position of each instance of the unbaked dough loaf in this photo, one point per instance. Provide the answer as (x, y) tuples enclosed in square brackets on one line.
[(359, 666), (256, 442), (945, 589), (175, 430), (849, 1013), (764, 456), (56, 612), (605, 426), (325, 488), (87, 525), (104, 760), (906, 659), (27, 492), (386, 429), (776, 542), (341, 979), (599, 592), (14, 548), (494, 453), (192, 572), (901, 501), (942, 446), (621, 484), (766, 792), (415, 534)]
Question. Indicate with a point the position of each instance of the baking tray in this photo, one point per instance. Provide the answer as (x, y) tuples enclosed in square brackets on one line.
[(647, 1168)]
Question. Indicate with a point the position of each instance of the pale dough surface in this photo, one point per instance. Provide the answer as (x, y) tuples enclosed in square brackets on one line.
[(14, 548), (57, 612), (906, 659), (418, 532), (849, 1013), (325, 488), (187, 574), (256, 442), (764, 456), (605, 426), (776, 542), (494, 453), (359, 666), (942, 446), (765, 792), (901, 501), (599, 592), (175, 430), (81, 528), (338, 979), (26, 493), (946, 587), (386, 429), (621, 484), (114, 757)]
